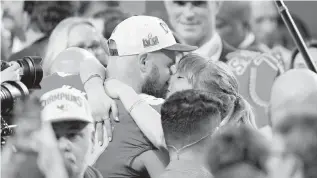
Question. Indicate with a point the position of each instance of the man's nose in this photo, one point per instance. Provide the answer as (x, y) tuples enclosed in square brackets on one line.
[(64, 144), (189, 11)]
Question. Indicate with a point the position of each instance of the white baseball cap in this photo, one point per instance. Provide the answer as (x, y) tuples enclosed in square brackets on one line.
[(65, 104), (142, 34)]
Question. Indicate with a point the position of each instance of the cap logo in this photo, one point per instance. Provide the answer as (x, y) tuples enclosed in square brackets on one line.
[(150, 41), (62, 107), (165, 27)]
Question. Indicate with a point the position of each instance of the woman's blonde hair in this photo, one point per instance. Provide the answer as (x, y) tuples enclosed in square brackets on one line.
[(58, 40), (219, 80)]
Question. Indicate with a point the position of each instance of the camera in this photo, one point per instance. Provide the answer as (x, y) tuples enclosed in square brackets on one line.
[(31, 77), (11, 91)]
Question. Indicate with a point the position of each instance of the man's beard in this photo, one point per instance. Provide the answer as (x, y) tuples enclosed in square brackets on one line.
[(152, 86)]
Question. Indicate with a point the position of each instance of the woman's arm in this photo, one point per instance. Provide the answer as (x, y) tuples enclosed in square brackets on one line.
[(93, 74), (147, 118)]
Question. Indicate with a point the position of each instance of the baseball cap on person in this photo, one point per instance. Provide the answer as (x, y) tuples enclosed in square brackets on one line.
[(65, 104), (142, 34)]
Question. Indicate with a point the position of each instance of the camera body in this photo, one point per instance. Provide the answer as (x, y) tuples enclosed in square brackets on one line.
[(11, 91)]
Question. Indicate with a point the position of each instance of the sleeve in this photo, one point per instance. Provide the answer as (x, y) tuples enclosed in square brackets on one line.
[(155, 103)]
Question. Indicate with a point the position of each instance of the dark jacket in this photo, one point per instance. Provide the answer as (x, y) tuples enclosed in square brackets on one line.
[(226, 49), (257, 47), (38, 48)]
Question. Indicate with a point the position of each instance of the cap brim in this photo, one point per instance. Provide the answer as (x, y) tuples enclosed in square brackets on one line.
[(68, 118), (181, 48)]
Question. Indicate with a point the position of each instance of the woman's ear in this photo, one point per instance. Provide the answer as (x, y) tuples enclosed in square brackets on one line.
[(143, 62)]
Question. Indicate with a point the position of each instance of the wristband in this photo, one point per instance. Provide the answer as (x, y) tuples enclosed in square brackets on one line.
[(92, 76), (135, 104)]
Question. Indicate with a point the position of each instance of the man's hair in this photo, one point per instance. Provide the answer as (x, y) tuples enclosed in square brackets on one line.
[(235, 148), (217, 78), (239, 10), (46, 15), (299, 128), (189, 115)]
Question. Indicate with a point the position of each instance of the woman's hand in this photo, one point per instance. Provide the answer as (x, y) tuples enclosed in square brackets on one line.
[(101, 105), (92, 74)]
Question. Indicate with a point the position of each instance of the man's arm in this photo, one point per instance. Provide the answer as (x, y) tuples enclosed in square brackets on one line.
[(154, 161)]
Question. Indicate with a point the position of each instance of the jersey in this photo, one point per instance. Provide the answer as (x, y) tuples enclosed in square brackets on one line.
[(59, 80), (128, 142), (256, 73)]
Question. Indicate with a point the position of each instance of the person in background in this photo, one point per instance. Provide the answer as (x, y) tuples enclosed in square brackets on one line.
[(91, 8), (285, 37), (5, 43), (233, 25), (44, 17), (284, 46), (297, 60), (69, 113), (32, 152), (72, 32), (110, 19), (15, 19), (55, 136), (194, 23), (238, 151), (295, 87), (296, 131), (200, 115), (264, 22)]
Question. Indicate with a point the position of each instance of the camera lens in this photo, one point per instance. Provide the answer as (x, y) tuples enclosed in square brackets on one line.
[(32, 71), (10, 91)]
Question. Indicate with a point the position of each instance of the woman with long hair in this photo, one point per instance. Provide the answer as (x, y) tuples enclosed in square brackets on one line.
[(74, 32)]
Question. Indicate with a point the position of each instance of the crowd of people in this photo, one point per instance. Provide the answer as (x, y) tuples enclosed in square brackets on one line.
[(217, 91)]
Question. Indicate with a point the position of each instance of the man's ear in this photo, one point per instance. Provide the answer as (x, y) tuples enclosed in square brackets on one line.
[(143, 62), (93, 140)]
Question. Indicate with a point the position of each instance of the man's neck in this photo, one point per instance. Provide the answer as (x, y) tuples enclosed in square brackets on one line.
[(125, 78), (195, 155)]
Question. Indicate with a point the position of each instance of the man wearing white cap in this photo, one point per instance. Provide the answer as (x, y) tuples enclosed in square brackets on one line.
[(142, 50), (72, 122)]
